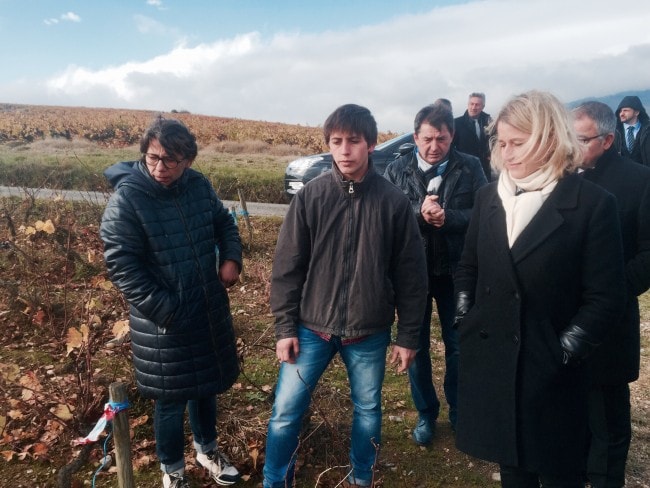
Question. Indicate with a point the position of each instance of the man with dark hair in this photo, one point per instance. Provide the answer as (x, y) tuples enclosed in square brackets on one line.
[(440, 183), (160, 229), (348, 257), (470, 135), (615, 363), (634, 130)]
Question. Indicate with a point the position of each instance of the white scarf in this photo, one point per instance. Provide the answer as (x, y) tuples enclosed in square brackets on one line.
[(521, 209)]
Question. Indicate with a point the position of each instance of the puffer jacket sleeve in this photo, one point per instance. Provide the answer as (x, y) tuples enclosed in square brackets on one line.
[(126, 262)]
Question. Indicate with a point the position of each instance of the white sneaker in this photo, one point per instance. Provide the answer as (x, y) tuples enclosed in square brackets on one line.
[(220, 469), (176, 479)]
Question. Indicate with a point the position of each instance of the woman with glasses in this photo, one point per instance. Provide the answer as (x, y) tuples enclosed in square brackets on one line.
[(539, 283), (160, 229)]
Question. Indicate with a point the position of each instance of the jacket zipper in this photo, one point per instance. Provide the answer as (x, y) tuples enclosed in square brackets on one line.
[(346, 261)]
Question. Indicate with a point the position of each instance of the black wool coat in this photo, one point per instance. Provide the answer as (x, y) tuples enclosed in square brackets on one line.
[(518, 404), (160, 251), (616, 361)]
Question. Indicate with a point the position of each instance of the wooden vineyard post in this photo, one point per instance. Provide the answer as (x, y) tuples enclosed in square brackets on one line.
[(122, 438), (246, 219)]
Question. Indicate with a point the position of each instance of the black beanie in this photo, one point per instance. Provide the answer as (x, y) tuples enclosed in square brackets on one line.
[(631, 101)]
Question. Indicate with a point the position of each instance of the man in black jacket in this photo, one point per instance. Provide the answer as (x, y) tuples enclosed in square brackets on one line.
[(470, 135), (634, 130), (440, 183), (615, 362)]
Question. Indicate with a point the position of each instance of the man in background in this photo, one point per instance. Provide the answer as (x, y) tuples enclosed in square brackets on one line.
[(440, 183), (634, 130), (615, 363), (470, 136)]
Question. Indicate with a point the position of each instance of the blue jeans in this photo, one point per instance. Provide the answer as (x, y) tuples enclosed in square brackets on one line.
[(420, 373), (365, 362), (170, 435)]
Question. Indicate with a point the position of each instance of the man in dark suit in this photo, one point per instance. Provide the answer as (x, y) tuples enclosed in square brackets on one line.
[(634, 130), (470, 136), (615, 362)]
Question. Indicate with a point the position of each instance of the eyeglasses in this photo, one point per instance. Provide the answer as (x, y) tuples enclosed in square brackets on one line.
[(586, 140), (167, 161)]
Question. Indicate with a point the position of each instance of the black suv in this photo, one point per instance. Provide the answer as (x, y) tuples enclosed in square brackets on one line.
[(302, 170)]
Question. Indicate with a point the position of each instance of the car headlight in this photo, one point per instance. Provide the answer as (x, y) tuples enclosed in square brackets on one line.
[(298, 167)]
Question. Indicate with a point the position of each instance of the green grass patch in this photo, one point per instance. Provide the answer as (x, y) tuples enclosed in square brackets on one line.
[(79, 165)]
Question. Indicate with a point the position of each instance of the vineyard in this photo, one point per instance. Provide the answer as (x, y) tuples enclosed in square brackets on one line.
[(119, 128), (62, 322)]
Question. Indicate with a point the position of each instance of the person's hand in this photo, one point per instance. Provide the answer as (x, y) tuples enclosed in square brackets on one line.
[(432, 212), (464, 302), (403, 357), (287, 350), (576, 344), (229, 273)]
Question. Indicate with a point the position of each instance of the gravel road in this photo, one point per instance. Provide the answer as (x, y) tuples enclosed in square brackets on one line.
[(254, 208)]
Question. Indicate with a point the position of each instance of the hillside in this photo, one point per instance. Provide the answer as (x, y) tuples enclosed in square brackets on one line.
[(615, 99), (121, 127)]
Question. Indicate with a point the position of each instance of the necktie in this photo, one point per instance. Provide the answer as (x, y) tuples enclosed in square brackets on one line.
[(478, 128), (629, 139)]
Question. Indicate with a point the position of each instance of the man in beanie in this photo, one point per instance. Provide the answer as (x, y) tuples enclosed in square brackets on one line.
[(634, 130)]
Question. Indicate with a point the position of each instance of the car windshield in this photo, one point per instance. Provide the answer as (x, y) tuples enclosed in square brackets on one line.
[(399, 140)]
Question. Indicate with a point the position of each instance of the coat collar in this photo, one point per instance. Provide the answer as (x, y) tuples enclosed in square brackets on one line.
[(354, 188), (603, 164), (544, 223), (411, 165)]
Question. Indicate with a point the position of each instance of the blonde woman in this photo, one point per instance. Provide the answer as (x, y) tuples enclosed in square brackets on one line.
[(539, 282)]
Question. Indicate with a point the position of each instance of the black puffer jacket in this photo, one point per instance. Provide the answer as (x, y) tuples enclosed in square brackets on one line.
[(159, 247), (460, 181)]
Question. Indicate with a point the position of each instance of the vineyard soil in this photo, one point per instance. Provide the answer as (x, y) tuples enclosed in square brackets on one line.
[(58, 358)]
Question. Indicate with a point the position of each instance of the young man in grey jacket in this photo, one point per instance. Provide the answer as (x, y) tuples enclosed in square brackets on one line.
[(348, 257)]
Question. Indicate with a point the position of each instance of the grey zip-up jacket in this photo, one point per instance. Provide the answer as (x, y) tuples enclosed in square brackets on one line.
[(349, 256)]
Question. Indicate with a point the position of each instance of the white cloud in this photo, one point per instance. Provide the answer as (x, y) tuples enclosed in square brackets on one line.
[(71, 16), (501, 47), (67, 17), (147, 25), (131, 80)]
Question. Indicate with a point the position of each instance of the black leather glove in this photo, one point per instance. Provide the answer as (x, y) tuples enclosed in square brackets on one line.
[(464, 301), (576, 344)]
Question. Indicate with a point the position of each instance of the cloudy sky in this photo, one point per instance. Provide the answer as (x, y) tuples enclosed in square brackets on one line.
[(295, 61)]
